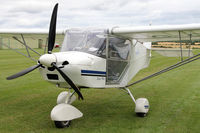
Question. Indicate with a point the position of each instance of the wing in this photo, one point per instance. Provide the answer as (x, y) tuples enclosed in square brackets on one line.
[(22, 38), (159, 33), (27, 33), (14, 38)]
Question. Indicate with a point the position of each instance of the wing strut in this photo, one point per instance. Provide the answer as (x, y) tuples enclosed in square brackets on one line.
[(181, 63), (190, 45), (179, 32), (25, 45), (19, 52), (45, 48), (14, 37)]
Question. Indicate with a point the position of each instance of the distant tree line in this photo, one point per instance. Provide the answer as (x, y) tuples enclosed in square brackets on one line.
[(184, 41)]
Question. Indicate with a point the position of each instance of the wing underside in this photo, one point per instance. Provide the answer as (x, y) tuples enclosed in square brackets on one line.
[(159, 33), (27, 33)]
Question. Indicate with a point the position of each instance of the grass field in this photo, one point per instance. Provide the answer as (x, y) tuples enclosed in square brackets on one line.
[(26, 102)]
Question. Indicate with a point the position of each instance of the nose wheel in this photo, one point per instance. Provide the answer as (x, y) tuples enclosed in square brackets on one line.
[(63, 113), (62, 124)]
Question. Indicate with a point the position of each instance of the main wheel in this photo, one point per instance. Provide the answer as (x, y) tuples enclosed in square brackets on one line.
[(62, 124), (141, 114)]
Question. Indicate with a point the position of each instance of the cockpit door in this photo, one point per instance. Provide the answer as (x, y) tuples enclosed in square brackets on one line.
[(118, 57)]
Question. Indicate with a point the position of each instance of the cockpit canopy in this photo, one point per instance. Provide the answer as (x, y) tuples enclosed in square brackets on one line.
[(93, 41), (89, 41)]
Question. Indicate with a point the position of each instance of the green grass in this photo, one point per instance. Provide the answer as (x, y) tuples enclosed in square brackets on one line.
[(26, 102)]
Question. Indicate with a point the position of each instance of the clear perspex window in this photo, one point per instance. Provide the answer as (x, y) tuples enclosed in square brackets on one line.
[(89, 41), (118, 59)]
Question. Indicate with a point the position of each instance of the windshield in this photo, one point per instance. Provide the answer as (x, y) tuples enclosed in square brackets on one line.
[(89, 41)]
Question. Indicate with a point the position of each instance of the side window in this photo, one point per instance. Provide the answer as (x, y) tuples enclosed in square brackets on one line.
[(102, 50), (117, 60), (119, 49)]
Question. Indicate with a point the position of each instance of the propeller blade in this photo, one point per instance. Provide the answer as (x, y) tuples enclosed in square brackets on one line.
[(68, 80), (23, 72), (52, 29)]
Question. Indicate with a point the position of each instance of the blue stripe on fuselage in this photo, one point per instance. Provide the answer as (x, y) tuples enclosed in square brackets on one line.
[(92, 72)]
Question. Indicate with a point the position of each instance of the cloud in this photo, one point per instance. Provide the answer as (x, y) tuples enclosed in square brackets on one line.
[(101, 13)]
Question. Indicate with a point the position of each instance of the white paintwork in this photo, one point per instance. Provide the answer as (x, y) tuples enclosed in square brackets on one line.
[(129, 92), (142, 105), (64, 97), (65, 112), (77, 61), (29, 31), (159, 33), (158, 28), (47, 59)]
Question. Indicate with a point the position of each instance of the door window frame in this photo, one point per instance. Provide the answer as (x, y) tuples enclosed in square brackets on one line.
[(108, 58)]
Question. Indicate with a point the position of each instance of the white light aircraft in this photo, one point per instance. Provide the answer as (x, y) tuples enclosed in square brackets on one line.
[(99, 58)]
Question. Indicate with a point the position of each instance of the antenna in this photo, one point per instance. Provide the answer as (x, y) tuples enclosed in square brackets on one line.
[(150, 23)]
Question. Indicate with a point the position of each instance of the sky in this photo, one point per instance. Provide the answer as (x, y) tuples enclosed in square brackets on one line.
[(35, 14)]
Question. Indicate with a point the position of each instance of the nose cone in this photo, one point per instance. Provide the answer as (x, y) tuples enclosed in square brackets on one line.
[(47, 59)]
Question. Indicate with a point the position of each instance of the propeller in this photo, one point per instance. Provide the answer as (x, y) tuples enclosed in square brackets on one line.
[(28, 70), (49, 59), (52, 29), (68, 80)]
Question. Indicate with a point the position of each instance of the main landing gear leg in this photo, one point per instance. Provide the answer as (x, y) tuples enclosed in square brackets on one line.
[(141, 104)]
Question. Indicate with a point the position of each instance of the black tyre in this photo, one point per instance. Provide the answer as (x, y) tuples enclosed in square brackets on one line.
[(141, 114), (62, 124)]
